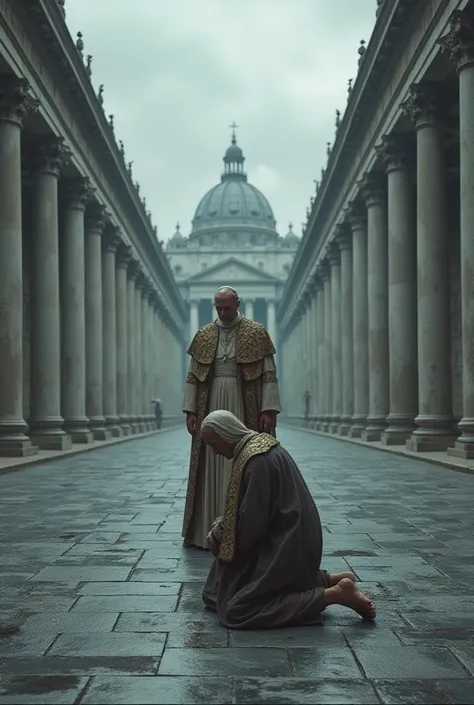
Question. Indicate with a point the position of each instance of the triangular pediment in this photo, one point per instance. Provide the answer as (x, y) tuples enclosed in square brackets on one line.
[(232, 271)]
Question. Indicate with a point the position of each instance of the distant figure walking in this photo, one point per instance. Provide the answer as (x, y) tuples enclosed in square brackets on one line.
[(158, 412)]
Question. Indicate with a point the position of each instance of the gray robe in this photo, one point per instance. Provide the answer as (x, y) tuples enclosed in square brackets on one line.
[(274, 579)]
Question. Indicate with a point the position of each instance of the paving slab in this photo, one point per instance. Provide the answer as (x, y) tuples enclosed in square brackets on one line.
[(106, 602)]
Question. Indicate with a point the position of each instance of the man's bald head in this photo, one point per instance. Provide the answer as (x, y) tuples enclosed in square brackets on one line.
[(226, 303), (228, 291)]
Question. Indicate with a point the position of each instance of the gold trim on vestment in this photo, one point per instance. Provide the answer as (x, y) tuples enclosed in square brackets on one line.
[(258, 445), (252, 343)]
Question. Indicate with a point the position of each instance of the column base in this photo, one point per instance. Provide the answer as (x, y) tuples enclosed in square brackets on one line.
[(376, 425), (395, 437), (434, 433), (335, 423), (399, 429), (429, 444), (51, 441), (17, 448), (133, 428), (81, 436), (358, 426), (464, 446), (101, 434), (345, 426), (326, 424), (462, 450), (126, 430), (115, 431)]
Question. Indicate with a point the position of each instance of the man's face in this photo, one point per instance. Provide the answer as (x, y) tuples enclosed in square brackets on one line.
[(226, 305), (215, 442)]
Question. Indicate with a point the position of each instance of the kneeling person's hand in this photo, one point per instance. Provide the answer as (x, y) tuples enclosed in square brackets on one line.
[(212, 543)]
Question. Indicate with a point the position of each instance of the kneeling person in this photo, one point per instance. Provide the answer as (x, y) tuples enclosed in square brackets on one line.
[(268, 544)]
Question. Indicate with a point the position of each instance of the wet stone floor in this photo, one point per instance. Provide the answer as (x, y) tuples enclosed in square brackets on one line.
[(105, 602)]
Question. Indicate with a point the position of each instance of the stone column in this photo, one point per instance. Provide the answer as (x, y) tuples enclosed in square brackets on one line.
[(73, 317), (434, 420), (314, 352), (194, 319), (335, 262), (132, 272), (321, 350), (344, 239), (328, 412), (110, 243), (402, 302), (306, 347), (46, 422), (139, 285), (249, 309), (150, 391), (145, 404), (377, 294), (14, 105), (121, 260), (459, 45), (360, 328), (95, 223), (271, 321)]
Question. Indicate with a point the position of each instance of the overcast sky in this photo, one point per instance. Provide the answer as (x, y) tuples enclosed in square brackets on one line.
[(178, 72)]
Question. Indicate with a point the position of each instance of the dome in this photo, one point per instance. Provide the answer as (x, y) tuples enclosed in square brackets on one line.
[(291, 238), (234, 153), (178, 239), (234, 203)]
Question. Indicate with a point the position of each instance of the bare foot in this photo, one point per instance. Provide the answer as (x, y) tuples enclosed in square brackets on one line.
[(347, 594), (335, 578)]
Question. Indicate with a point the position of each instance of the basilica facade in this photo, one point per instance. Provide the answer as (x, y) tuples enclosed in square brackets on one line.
[(233, 241)]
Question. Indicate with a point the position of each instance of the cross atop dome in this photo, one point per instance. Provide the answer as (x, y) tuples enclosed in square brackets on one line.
[(233, 127)]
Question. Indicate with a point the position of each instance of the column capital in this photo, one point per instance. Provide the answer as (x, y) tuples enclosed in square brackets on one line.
[(334, 254), (323, 270), (458, 43), (111, 240), (15, 101), (396, 152), (49, 155), (77, 192), (373, 188), (356, 214), (143, 283), (343, 236), (96, 218), (134, 267), (124, 253), (422, 104), (316, 280), (152, 294)]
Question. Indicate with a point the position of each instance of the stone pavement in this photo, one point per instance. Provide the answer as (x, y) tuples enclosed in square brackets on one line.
[(107, 602)]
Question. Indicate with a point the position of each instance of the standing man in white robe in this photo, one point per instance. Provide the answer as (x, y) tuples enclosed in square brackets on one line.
[(232, 368)]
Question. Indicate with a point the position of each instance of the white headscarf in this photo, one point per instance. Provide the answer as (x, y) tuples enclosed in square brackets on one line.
[(229, 428)]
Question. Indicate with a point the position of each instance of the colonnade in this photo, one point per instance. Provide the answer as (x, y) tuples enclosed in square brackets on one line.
[(102, 341), (371, 337)]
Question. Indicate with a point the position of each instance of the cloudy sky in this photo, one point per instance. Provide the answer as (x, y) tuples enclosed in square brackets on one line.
[(178, 72)]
